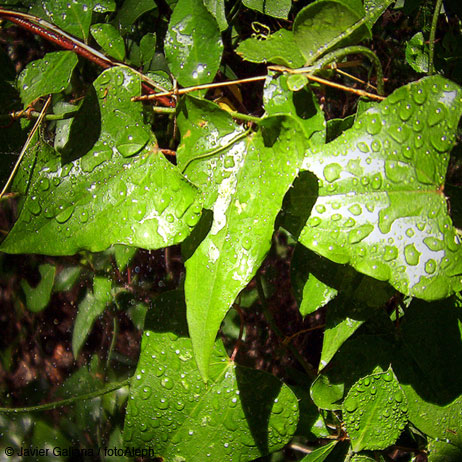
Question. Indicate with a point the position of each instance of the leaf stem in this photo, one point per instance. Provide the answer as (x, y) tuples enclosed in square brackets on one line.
[(237, 138), (66, 402), (26, 145), (270, 319), (431, 53), (31, 114)]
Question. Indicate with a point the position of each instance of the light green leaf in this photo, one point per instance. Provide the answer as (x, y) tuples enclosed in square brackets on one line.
[(217, 10), (442, 451), (379, 205), (37, 298), (109, 39), (417, 53), (274, 8), (248, 181), (74, 16), (324, 25), (144, 198), (227, 419), (375, 411), (50, 74), (278, 48), (90, 308), (193, 45), (320, 454)]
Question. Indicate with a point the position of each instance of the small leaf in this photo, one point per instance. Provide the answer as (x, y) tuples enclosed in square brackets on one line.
[(320, 454), (417, 53), (37, 298), (375, 411), (379, 205), (109, 40), (129, 12), (90, 308), (148, 48), (323, 26), (193, 45), (66, 278), (123, 255), (246, 421), (274, 8), (50, 74), (278, 48), (104, 6)]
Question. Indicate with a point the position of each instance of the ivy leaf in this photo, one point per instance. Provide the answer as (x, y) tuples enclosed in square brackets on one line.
[(227, 419), (274, 8), (278, 48), (375, 411), (109, 40), (193, 45), (248, 180), (380, 206), (50, 74), (37, 298), (144, 198)]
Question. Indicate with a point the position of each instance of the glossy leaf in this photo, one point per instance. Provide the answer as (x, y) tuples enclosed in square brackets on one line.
[(380, 206), (104, 6), (259, 171), (278, 48), (74, 16), (320, 454), (130, 11), (323, 25), (417, 53), (37, 298), (274, 8), (50, 74), (90, 308), (217, 10), (227, 419), (109, 40), (193, 45), (66, 278), (375, 411), (442, 451), (148, 203), (148, 48)]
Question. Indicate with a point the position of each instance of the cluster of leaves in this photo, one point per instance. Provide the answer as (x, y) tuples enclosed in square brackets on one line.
[(365, 214)]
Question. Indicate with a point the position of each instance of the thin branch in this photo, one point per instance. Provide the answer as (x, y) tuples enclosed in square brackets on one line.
[(29, 113), (26, 145), (436, 14)]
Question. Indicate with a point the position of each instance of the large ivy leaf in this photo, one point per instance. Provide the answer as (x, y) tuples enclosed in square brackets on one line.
[(173, 412), (375, 411), (108, 196), (50, 74), (193, 44), (248, 180), (380, 206)]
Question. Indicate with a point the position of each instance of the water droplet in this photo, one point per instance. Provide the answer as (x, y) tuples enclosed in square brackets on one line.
[(405, 111), (34, 206), (351, 404), (390, 253), (63, 216), (359, 233), (430, 266), (332, 172), (355, 209), (373, 125), (411, 255)]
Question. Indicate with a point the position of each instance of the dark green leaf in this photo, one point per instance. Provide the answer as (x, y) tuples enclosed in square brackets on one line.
[(130, 11), (217, 10), (193, 45), (66, 278), (37, 298), (227, 419), (50, 74), (275, 8), (148, 48), (109, 40), (380, 206)]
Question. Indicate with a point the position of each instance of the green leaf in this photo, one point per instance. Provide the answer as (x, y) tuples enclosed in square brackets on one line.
[(379, 206), (217, 9), (278, 48), (417, 53), (90, 308), (37, 298), (375, 411), (274, 8), (108, 196), (323, 26), (227, 419), (66, 278), (104, 6), (73, 17), (320, 454), (123, 255), (50, 74), (258, 171), (442, 451), (193, 45), (130, 11), (109, 40), (148, 48)]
